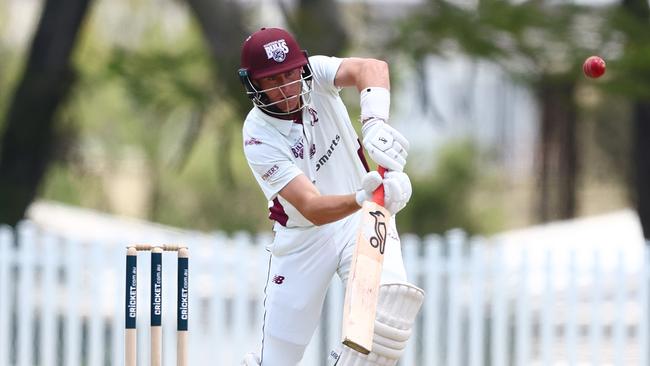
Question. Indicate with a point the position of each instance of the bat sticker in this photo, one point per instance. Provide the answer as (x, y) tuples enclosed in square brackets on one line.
[(379, 239)]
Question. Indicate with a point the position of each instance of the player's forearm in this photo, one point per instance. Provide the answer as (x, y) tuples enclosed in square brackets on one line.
[(321, 210)]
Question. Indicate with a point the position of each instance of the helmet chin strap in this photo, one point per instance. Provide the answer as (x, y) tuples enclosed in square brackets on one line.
[(274, 111)]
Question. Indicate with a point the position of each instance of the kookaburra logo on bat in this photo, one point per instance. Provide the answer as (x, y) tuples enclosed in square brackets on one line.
[(379, 239)]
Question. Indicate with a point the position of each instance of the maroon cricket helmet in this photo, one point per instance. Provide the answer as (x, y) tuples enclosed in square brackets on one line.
[(271, 51)]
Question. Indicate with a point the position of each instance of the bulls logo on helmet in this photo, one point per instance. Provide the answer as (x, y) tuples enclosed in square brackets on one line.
[(277, 50), (279, 55), (272, 51)]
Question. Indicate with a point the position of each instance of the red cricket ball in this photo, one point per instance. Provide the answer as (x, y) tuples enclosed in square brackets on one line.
[(594, 67)]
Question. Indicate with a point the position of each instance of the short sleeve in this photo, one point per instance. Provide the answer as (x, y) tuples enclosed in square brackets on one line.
[(273, 169), (324, 69)]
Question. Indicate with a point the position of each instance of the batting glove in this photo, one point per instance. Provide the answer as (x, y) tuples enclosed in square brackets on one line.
[(369, 183), (385, 145), (397, 191)]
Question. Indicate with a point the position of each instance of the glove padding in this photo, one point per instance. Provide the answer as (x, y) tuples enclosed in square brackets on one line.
[(251, 359), (385, 145), (397, 191), (369, 183)]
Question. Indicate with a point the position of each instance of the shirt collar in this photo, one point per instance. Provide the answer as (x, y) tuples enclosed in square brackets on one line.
[(282, 125)]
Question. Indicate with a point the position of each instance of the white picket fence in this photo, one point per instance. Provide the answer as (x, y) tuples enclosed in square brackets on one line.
[(62, 301)]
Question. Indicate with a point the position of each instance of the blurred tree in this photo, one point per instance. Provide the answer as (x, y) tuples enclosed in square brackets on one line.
[(442, 201), (634, 22), (558, 151), (29, 136), (222, 25), (147, 145), (155, 94), (536, 42), (317, 24)]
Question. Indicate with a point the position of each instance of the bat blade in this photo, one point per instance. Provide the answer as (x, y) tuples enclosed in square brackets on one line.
[(362, 289)]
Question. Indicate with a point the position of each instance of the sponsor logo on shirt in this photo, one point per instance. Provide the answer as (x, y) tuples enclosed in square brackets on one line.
[(326, 157), (278, 280), (252, 141), (269, 173), (334, 356), (298, 148)]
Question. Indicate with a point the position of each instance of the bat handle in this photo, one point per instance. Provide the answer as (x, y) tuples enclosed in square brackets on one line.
[(378, 194)]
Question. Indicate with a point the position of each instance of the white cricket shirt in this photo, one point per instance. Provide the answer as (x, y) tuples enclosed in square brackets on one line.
[(324, 147)]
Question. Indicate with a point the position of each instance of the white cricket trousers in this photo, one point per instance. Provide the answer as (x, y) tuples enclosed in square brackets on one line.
[(298, 279)]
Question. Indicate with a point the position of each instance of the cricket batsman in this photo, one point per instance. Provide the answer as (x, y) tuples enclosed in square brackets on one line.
[(307, 158)]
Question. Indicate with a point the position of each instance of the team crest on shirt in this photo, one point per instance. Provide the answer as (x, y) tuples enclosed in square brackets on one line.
[(298, 149), (277, 50)]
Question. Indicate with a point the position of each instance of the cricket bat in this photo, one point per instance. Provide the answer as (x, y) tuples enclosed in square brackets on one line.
[(362, 289)]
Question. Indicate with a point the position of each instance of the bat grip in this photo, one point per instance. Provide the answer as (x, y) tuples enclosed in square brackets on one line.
[(378, 194)]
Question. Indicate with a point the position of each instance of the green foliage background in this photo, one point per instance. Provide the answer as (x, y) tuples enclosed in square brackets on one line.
[(151, 107), (445, 199), (155, 104)]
